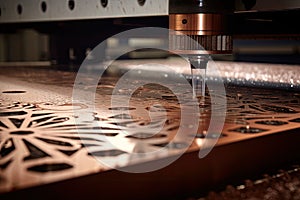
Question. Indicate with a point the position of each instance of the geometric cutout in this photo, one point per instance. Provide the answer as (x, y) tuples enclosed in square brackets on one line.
[(55, 142), (60, 119), (49, 123), (89, 145), (34, 151), (21, 132), (295, 120), (278, 109), (70, 137), (107, 153), (121, 116), (41, 114), (143, 136), (49, 167), (42, 119), (14, 92), (80, 138), (68, 152), (108, 134), (271, 122), (248, 130), (8, 114), (7, 148), (56, 121), (100, 128), (172, 145), (122, 108), (210, 136), (68, 126), (3, 125)]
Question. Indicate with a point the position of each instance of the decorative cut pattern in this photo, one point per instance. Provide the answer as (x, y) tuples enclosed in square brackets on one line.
[(34, 141), (39, 143)]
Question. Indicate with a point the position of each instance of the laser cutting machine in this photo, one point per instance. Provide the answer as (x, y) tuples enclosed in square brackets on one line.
[(245, 46)]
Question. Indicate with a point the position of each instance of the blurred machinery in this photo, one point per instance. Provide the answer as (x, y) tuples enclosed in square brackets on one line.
[(258, 28)]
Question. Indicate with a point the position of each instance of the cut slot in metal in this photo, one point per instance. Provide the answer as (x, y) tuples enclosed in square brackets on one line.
[(272, 122), (248, 130), (14, 92), (49, 167)]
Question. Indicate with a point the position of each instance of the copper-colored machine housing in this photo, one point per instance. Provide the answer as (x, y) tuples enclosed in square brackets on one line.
[(203, 22), (209, 30)]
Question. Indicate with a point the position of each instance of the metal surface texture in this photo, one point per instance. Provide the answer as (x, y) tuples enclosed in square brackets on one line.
[(198, 24), (209, 30), (57, 10), (261, 75), (39, 141)]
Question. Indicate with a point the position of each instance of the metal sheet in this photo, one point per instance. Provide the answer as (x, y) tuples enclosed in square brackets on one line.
[(40, 143)]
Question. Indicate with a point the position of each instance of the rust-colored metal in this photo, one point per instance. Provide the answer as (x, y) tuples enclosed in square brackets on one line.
[(40, 144)]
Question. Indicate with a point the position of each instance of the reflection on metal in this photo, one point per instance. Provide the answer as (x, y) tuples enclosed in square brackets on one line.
[(265, 75), (37, 138)]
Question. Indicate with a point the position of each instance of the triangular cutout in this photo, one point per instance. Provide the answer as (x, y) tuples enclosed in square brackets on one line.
[(17, 122)]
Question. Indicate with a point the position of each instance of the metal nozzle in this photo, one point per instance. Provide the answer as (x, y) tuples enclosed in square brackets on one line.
[(208, 30)]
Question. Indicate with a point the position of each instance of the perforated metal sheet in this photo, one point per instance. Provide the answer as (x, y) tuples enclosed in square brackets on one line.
[(39, 142)]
